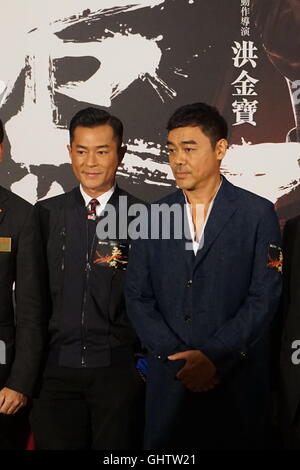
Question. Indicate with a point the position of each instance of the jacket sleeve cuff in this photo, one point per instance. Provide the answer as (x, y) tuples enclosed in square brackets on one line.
[(20, 388), (224, 359)]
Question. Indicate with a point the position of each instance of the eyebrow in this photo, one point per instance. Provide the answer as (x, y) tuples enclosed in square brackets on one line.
[(185, 142), (97, 147)]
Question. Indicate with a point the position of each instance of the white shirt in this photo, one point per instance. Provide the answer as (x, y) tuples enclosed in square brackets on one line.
[(103, 199), (200, 241)]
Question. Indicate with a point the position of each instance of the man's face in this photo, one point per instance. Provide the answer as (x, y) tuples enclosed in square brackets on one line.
[(192, 158), (95, 158)]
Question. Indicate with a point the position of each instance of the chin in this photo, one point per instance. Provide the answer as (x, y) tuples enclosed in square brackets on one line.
[(183, 185), (92, 185)]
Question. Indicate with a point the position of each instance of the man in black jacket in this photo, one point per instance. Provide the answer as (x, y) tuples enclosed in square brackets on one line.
[(290, 347), (21, 329), (91, 391)]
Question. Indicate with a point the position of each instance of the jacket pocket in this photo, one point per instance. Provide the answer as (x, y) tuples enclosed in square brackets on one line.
[(111, 254)]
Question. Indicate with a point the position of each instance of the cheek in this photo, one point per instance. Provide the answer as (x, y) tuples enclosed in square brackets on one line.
[(112, 165), (173, 161), (75, 166), (196, 169), (203, 166)]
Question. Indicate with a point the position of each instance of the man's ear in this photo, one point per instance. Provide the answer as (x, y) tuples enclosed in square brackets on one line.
[(221, 149), (1, 152), (121, 152), (69, 150)]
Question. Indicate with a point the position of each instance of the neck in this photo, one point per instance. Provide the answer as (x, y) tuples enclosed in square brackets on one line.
[(95, 193), (204, 193)]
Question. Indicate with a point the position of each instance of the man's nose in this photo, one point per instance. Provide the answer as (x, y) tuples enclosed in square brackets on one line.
[(179, 158), (91, 159)]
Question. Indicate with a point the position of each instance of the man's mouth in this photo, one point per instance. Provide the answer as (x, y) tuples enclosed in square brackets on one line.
[(91, 175)]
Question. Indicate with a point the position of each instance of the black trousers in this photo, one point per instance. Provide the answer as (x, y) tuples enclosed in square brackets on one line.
[(99, 408), (290, 430), (209, 421), (14, 429), (220, 419)]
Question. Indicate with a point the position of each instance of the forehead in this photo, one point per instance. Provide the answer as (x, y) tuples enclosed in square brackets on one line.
[(98, 135), (185, 134)]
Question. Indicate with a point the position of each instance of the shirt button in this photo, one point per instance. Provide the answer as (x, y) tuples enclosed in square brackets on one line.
[(187, 318), (189, 283), (243, 354)]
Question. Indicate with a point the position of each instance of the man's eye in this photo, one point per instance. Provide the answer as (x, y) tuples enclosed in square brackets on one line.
[(80, 152), (102, 152), (188, 149), (170, 150)]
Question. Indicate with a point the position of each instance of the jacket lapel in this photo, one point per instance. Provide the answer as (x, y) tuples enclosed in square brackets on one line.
[(74, 224), (3, 206), (223, 209), (184, 247), (76, 203)]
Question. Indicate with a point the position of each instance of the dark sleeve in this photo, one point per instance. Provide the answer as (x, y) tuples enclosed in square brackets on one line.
[(30, 311), (251, 321), (290, 304), (155, 334), (288, 240)]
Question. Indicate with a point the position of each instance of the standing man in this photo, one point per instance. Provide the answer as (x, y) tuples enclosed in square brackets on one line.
[(290, 347), (91, 392), (21, 328), (204, 314)]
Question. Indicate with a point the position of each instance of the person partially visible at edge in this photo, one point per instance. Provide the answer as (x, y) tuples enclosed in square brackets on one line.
[(91, 394), (289, 383), (22, 319), (204, 314)]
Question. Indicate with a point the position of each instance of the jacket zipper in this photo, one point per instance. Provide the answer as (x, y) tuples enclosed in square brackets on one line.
[(83, 339)]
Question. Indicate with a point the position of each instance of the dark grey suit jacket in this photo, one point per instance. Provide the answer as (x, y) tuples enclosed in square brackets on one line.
[(21, 328)]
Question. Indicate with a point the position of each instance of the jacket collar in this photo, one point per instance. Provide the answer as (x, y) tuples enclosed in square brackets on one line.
[(75, 196), (222, 210), (75, 203)]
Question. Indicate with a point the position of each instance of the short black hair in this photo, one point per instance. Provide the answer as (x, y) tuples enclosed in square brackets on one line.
[(92, 117), (207, 117), (1, 132)]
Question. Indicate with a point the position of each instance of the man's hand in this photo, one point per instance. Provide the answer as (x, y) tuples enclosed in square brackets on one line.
[(11, 401), (198, 374)]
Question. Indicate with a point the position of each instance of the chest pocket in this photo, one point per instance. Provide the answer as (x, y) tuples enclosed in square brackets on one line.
[(5, 244), (111, 254)]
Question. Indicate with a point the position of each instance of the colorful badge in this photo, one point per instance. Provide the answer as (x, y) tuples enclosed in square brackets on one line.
[(275, 257), (112, 254)]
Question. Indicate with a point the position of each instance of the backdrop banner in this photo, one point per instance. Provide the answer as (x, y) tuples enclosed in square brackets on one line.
[(141, 60)]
